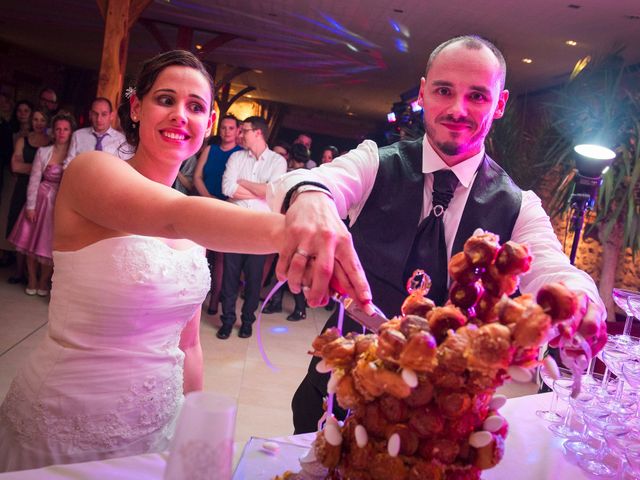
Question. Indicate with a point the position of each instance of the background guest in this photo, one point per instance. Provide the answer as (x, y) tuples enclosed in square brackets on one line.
[(207, 180), (245, 183), (100, 136), (6, 136), (33, 232), (297, 159), (328, 154), (21, 119), (306, 140), (282, 148), (184, 180), (49, 101), (23, 155)]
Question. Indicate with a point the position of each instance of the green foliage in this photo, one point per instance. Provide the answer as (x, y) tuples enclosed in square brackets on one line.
[(602, 102)]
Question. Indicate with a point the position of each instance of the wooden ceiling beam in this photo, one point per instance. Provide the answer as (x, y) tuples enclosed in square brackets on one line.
[(135, 10), (184, 40), (156, 33), (216, 42), (231, 75), (102, 6)]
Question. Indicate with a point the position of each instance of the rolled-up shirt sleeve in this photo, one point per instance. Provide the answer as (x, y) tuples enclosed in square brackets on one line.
[(350, 178), (550, 263), (230, 176)]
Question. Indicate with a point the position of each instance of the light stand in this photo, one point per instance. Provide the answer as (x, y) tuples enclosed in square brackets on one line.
[(591, 161), (582, 200)]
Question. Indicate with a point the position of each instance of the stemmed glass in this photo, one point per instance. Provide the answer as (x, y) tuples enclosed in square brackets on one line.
[(632, 455), (552, 415), (614, 356), (582, 405), (618, 436), (631, 374), (596, 419), (628, 301), (562, 387)]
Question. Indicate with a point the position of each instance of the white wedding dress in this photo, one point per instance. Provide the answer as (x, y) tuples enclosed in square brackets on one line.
[(107, 379)]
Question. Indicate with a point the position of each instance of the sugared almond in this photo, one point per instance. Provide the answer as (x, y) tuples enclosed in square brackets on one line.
[(410, 377), (322, 367), (493, 423), (393, 446), (480, 439), (497, 402), (362, 438), (551, 367), (332, 434), (519, 374)]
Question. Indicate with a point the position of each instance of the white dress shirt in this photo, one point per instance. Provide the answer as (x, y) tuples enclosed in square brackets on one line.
[(84, 140), (351, 177), (243, 165)]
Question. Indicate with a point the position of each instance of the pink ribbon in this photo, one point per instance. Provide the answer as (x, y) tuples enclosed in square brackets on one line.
[(263, 352)]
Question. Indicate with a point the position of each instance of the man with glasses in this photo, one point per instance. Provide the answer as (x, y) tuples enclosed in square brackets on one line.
[(100, 135), (245, 182), (49, 101)]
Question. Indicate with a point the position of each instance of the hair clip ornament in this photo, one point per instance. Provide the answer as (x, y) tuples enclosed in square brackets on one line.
[(129, 92)]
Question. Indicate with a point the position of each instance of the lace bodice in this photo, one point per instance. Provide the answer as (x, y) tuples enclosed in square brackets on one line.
[(108, 375)]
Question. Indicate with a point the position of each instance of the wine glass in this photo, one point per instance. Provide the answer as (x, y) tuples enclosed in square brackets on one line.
[(632, 455), (628, 302), (631, 375), (583, 404), (596, 419), (552, 415), (618, 437), (562, 387), (614, 357)]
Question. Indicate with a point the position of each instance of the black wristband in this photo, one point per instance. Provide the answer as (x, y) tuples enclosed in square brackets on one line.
[(287, 198)]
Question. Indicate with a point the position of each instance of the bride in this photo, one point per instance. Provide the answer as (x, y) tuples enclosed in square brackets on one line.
[(130, 276)]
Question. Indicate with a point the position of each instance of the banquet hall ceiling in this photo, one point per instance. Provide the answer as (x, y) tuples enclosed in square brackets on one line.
[(348, 56)]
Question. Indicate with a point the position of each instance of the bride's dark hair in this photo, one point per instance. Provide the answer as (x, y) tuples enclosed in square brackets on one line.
[(146, 78)]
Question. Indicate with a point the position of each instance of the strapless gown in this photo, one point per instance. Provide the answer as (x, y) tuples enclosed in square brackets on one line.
[(107, 379), (36, 237)]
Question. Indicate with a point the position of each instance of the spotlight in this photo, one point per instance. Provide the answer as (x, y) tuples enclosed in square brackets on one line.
[(592, 161), (391, 117)]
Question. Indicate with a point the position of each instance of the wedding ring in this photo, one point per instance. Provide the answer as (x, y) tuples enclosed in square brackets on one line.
[(302, 253)]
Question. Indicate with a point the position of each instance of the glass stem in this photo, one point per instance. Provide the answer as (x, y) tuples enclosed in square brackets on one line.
[(627, 325), (619, 389), (591, 366), (605, 380), (554, 403)]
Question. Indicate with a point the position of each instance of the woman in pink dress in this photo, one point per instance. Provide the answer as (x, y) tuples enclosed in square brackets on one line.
[(33, 232)]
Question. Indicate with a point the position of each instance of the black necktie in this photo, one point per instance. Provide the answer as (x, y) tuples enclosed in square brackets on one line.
[(429, 250)]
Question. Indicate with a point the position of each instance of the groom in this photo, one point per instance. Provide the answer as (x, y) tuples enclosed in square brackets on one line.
[(387, 192)]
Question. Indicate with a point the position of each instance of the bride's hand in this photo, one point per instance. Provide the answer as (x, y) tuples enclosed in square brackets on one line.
[(317, 247)]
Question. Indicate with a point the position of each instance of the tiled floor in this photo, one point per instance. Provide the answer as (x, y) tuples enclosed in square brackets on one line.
[(233, 367)]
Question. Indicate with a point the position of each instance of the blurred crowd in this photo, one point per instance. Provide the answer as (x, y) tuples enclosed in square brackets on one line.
[(38, 140)]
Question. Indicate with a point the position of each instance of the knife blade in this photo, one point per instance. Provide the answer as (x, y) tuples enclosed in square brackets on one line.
[(351, 308)]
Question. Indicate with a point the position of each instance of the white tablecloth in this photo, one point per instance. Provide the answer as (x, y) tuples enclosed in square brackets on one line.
[(532, 453)]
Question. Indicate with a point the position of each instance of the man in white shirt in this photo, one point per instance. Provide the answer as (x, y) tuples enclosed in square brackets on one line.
[(386, 193), (245, 182), (100, 135)]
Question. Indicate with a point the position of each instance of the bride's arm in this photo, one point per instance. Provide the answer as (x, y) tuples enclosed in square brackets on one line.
[(115, 196), (193, 364)]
